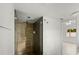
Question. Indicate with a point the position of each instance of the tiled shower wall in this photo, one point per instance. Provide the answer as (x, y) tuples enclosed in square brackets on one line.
[(38, 37), (29, 39), (24, 38), (20, 37), (28, 42)]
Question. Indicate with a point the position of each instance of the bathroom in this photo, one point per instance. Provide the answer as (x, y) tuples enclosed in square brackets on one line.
[(39, 29)]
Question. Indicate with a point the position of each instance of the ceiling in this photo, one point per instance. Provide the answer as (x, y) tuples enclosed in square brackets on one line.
[(53, 10)]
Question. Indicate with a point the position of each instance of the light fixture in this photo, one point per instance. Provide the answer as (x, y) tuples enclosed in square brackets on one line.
[(28, 17), (70, 22)]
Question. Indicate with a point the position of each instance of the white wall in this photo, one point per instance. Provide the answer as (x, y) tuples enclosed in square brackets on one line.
[(77, 17), (51, 36), (6, 35)]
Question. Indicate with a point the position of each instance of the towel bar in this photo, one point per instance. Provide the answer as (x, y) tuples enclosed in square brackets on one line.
[(4, 27)]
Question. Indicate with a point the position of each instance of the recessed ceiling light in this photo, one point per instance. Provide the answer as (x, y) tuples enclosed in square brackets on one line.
[(29, 17)]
